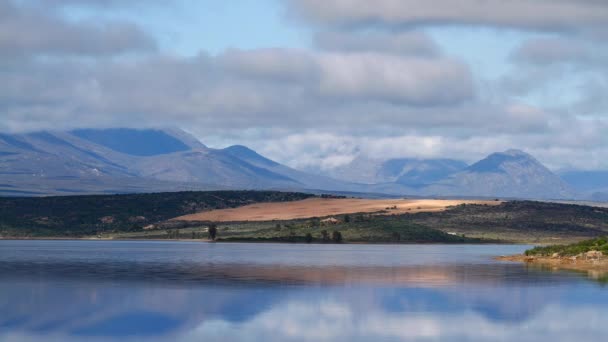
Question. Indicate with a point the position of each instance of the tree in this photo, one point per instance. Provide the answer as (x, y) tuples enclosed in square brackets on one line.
[(396, 236), (292, 236), (346, 218), (308, 238), (336, 236), (193, 235), (324, 236), (212, 231)]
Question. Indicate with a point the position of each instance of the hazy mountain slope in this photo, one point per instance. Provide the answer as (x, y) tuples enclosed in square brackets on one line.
[(47, 155), (306, 180), (129, 160), (124, 160), (416, 172), (508, 174), (586, 180), (211, 167), (405, 171), (362, 170), (141, 143), (249, 155)]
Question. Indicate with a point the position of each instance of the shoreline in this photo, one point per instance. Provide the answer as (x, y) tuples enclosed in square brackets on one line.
[(565, 263), (263, 242), (98, 239)]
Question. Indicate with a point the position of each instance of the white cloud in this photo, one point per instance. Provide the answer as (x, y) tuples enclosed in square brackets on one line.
[(378, 85), (414, 43), (559, 15), (27, 32)]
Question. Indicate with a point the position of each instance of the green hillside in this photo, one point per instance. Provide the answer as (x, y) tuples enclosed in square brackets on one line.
[(78, 216)]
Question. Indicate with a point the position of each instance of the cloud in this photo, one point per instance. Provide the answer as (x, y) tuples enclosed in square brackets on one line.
[(566, 142), (32, 31), (413, 43), (103, 4), (373, 82), (569, 74), (549, 51), (412, 81), (544, 15), (236, 89)]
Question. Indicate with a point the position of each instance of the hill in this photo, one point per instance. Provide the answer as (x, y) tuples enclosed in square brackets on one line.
[(521, 221), (78, 216), (513, 174), (130, 160), (153, 216)]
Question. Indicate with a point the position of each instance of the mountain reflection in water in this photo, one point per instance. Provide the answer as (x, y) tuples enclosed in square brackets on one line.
[(105, 291)]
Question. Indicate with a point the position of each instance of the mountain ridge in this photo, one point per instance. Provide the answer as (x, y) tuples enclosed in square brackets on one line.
[(93, 161), (512, 173)]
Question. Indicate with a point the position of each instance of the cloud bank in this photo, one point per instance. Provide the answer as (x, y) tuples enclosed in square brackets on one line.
[(374, 81)]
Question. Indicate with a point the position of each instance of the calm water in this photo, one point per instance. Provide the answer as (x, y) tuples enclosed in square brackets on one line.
[(163, 291)]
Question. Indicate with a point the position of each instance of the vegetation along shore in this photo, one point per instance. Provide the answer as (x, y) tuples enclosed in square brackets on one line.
[(268, 216), (589, 256)]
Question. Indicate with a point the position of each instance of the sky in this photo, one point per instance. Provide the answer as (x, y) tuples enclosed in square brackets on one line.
[(317, 83)]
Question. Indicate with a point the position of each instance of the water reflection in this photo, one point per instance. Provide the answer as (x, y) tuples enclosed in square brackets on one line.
[(176, 299)]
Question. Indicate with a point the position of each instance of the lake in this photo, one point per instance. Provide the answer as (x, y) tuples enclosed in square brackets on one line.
[(180, 291)]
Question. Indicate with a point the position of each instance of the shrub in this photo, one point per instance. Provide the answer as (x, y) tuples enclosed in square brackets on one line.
[(308, 238), (336, 237)]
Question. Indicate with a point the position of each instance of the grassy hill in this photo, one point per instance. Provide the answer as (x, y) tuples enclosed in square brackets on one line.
[(78, 216), (521, 221), (126, 216)]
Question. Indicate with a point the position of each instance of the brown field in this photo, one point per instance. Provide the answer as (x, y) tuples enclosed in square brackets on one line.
[(322, 207)]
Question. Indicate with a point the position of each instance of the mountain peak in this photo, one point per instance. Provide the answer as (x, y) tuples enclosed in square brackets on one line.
[(249, 155), (516, 153), (499, 162), (135, 142), (239, 148), (512, 173)]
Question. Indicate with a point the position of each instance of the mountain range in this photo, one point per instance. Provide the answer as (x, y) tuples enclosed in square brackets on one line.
[(122, 160)]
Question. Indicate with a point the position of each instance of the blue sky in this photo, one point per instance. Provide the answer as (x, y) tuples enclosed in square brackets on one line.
[(317, 83), (186, 27)]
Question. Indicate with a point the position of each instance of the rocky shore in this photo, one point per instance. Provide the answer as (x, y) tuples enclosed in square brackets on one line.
[(590, 261)]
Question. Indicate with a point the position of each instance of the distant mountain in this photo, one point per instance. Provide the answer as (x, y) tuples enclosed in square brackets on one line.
[(249, 155), (512, 173), (142, 143), (360, 170), (130, 160), (405, 171), (417, 172), (307, 180)]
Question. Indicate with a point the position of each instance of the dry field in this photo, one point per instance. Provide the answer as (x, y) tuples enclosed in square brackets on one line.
[(322, 207)]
